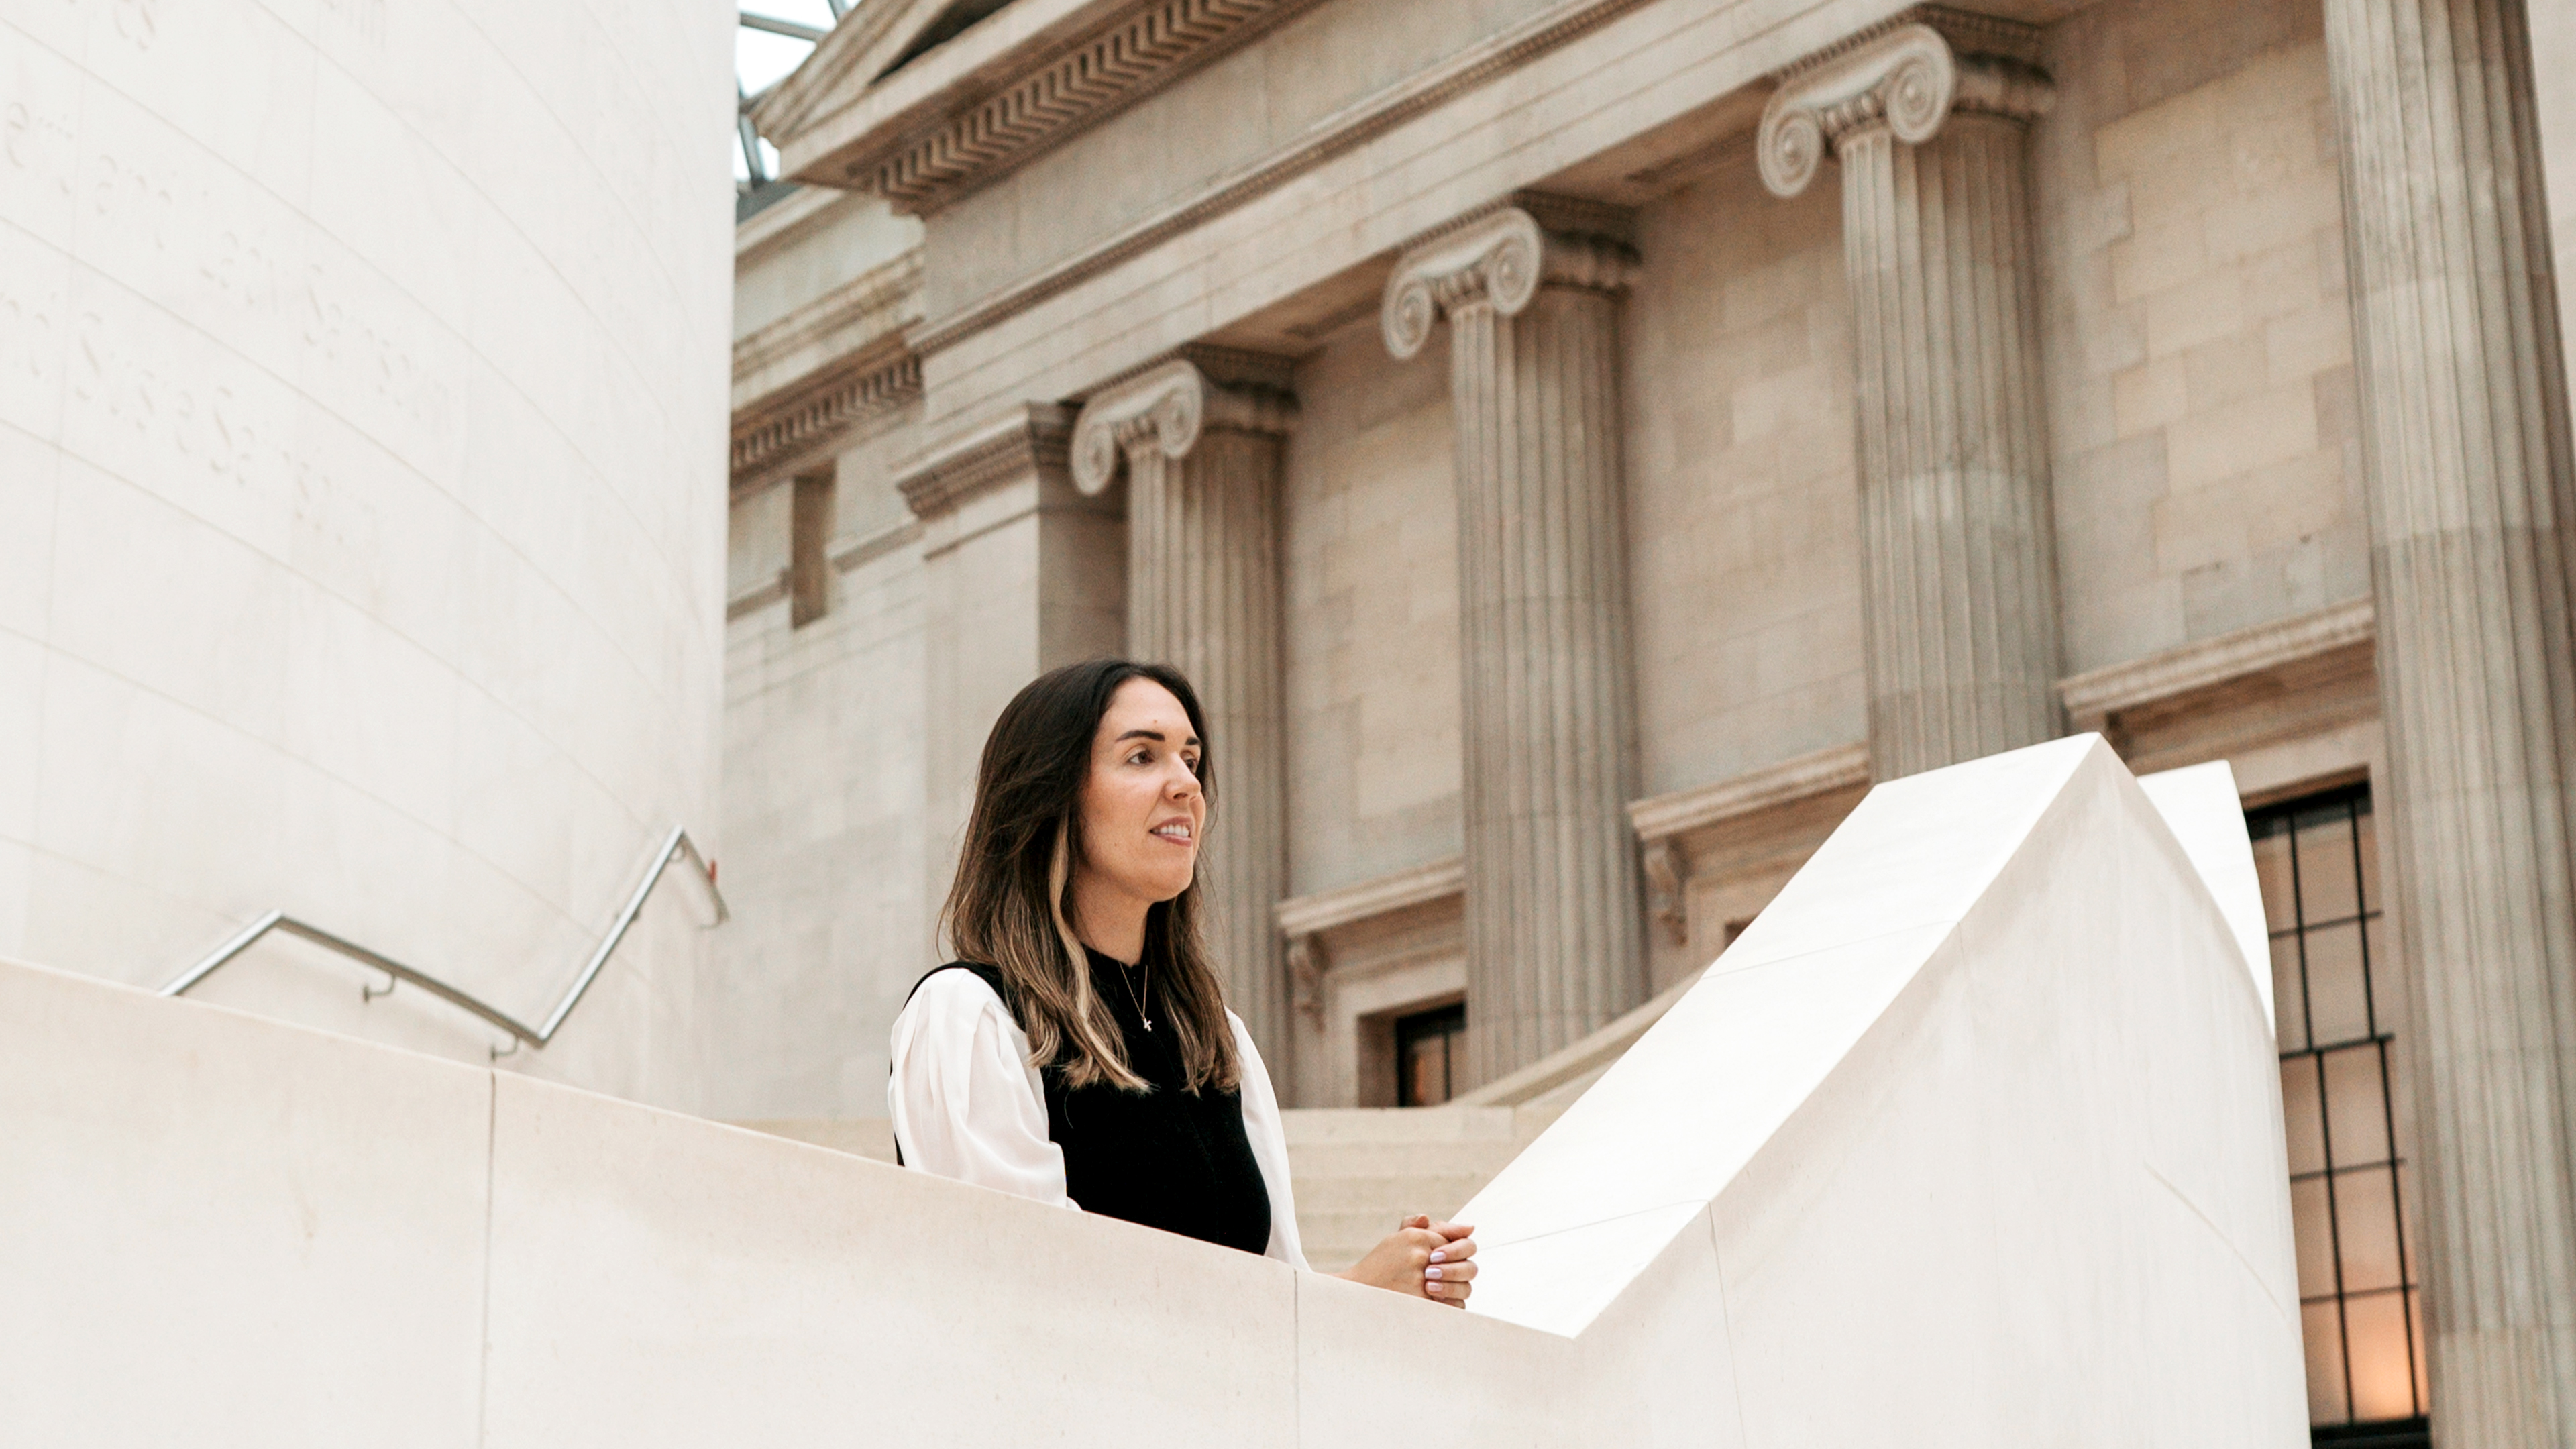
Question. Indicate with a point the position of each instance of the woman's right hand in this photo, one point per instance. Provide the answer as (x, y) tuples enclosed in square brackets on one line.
[(1401, 1262)]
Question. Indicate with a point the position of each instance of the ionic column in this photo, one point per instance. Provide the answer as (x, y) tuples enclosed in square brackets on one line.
[(2472, 496), (1553, 921), (1203, 464), (1927, 115)]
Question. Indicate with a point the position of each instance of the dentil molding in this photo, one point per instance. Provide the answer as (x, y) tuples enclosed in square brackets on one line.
[(1910, 75), (1164, 409), (1499, 259)]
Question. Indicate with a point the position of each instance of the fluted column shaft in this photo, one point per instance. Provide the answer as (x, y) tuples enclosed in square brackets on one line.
[(1554, 939), (1958, 546), (1203, 595), (2472, 497)]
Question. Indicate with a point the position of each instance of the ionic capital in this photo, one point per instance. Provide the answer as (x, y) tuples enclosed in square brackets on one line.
[(1164, 409), (1500, 259), (1908, 76)]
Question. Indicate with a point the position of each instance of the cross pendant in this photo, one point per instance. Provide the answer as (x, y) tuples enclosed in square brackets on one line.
[(1149, 1023)]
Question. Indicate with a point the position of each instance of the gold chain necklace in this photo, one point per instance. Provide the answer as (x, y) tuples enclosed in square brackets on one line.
[(1133, 998)]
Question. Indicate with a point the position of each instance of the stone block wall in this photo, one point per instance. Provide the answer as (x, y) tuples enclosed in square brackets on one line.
[(1372, 615), (2207, 458), (1744, 549)]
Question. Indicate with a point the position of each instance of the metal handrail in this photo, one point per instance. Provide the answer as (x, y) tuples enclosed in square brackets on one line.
[(677, 844)]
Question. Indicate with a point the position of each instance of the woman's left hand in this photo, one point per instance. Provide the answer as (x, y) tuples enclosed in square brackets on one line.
[(1451, 1274)]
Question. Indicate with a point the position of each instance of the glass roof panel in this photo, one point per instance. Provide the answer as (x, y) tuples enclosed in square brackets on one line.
[(773, 39)]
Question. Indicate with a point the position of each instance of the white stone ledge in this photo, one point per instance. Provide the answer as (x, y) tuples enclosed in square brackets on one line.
[(1977, 1129)]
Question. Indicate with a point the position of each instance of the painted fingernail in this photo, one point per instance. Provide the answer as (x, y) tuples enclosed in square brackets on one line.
[(1430, 1272), (1438, 1256)]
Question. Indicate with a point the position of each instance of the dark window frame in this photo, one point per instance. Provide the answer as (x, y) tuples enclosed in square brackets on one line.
[(2295, 817), (1448, 1024)]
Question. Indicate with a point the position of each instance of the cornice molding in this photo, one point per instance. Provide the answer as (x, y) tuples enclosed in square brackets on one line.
[(1499, 259), (1324, 911), (1345, 131), (1910, 74), (2096, 698), (994, 118), (876, 296), (820, 412), (1035, 439), (1164, 409), (1661, 821), (1820, 772)]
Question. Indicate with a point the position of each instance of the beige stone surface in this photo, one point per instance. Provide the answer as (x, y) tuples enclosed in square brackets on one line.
[(221, 1230), (825, 744), (1744, 542), (1637, 69), (1177, 141), (1372, 615), (2201, 409), (660, 1280), (362, 408), (562, 1266)]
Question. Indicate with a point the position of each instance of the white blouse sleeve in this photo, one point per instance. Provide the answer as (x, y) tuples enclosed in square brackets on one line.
[(965, 1101), (1263, 1126)]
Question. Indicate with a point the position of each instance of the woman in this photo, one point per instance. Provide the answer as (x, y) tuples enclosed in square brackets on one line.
[(1081, 1053)]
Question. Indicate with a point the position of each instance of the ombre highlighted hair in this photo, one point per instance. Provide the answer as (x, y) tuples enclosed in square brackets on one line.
[(1012, 904)]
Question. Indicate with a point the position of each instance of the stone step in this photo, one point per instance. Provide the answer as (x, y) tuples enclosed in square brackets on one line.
[(1389, 1197), (1400, 1159), (1316, 1126)]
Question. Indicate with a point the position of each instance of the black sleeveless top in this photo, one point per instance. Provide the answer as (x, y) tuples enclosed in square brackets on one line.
[(1168, 1158)]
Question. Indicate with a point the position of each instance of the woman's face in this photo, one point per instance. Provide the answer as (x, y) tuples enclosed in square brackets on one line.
[(1142, 810)]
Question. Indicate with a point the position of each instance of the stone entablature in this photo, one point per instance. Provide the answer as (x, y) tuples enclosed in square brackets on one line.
[(814, 417), (1035, 440), (969, 119), (827, 369), (853, 318)]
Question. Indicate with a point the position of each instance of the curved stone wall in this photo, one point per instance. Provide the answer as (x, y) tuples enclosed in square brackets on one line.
[(362, 440)]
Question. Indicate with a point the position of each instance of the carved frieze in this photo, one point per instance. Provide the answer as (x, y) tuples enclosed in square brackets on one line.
[(820, 415), (1499, 259), (1909, 75), (1165, 408)]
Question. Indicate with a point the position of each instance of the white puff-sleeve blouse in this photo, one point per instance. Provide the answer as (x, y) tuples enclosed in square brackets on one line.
[(966, 1103)]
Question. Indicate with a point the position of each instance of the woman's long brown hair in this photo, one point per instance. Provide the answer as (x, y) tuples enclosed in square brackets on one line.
[(1011, 906)]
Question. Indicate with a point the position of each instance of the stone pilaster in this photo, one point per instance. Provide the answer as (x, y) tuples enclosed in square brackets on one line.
[(1927, 115), (1020, 573), (1203, 581), (1554, 930), (2472, 498)]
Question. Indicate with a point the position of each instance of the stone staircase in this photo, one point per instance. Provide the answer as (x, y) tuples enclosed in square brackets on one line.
[(1358, 1170)]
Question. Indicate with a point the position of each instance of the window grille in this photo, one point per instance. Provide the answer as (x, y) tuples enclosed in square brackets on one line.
[(2335, 988)]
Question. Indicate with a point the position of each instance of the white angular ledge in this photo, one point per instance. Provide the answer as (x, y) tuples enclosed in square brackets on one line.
[(1975, 1131), (1985, 1101)]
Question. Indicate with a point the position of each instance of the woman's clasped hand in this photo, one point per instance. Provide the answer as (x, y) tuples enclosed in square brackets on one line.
[(1422, 1259)]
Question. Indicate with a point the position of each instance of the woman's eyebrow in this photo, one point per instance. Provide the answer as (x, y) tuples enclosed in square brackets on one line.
[(1155, 735)]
